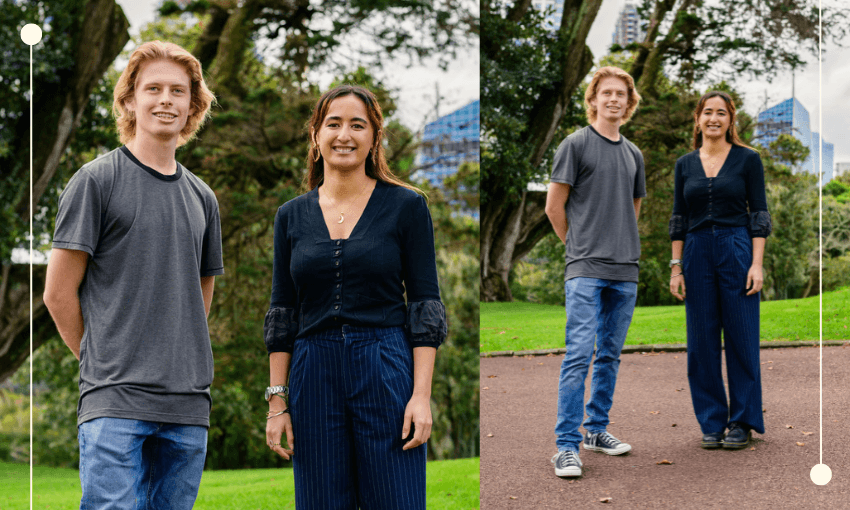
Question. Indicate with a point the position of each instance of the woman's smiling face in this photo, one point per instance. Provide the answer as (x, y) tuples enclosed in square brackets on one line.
[(714, 119), (346, 135)]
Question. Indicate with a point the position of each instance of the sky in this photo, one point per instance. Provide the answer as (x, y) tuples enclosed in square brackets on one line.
[(458, 86), (835, 85)]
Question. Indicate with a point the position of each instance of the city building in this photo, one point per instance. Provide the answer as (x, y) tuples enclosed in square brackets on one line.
[(792, 118), (628, 29), (449, 141), (841, 168)]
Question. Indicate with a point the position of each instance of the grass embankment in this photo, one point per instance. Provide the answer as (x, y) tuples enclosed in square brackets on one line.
[(524, 326), (452, 484)]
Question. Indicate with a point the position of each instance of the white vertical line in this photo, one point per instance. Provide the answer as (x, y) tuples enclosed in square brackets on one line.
[(31, 257), (820, 211)]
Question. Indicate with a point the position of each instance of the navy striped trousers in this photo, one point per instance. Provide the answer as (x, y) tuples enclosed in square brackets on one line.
[(716, 262), (349, 389)]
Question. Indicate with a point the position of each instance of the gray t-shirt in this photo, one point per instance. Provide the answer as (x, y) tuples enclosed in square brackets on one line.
[(604, 177), (145, 352)]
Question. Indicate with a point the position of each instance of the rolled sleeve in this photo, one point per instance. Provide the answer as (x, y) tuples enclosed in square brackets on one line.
[(760, 224), (678, 227), (426, 323), (279, 329)]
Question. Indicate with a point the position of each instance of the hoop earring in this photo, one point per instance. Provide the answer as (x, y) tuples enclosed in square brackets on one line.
[(318, 155), (375, 157)]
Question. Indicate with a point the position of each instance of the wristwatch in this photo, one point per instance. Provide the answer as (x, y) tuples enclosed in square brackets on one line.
[(675, 262), (280, 391)]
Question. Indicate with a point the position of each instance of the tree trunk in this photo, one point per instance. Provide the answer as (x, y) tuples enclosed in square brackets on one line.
[(60, 105), (510, 232)]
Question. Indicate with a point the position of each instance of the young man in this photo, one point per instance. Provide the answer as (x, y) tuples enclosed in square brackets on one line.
[(129, 284), (597, 182)]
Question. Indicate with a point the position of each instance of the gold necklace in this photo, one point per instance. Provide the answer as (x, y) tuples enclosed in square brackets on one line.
[(341, 212), (711, 161)]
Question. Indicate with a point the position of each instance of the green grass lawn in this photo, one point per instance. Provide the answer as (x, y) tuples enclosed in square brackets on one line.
[(452, 484), (523, 326)]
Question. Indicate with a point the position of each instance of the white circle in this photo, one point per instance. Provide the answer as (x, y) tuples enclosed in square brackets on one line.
[(821, 474), (31, 34)]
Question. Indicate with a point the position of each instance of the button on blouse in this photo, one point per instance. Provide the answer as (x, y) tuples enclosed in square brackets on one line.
[(735, 197), (320, 283)]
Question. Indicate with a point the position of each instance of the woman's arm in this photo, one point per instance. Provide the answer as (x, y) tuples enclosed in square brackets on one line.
[(280, 330), (418, 410), (677, 278), (678, 231), (755, 276), (281, 424)]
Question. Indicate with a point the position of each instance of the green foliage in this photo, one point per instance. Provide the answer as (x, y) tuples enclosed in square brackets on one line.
[(518, 64), (539, 277), (14, 426), (839, 190)]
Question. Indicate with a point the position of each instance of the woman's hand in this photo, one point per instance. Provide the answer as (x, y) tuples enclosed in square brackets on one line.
[(275, 428), (417, 412), (677, 286), (755, 279)]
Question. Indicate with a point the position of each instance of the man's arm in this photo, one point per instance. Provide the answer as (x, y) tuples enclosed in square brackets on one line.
[(556, 200), (637, 207), (65, 271), (207, 288)]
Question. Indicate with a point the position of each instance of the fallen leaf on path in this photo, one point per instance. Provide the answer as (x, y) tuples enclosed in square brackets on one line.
[(789, 426), (673, 425), (540, 363), (680, 389), (605, 500), (753, 448), (489, 435), (675, 357), (654, 412), (512, 497), (808, 433), (770, 368), (485, 388), (491, 376), (800, 444), (665, 462)]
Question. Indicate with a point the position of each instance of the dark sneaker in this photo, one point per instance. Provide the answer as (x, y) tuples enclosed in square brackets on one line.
[(738, 437), (605, 443), (712, 441), (567, 463)]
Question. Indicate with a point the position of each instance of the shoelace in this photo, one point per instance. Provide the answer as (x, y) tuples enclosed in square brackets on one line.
[(607, 438), (571, 459)]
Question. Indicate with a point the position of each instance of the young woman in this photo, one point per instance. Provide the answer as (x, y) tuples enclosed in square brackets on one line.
[(357, 358), (718, 229)]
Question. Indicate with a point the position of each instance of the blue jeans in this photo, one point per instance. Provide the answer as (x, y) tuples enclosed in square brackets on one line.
[(134, 464), (598, 312)]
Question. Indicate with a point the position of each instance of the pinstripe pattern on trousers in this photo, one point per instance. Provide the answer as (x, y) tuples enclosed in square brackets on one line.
[(716, 261), (349, 389)]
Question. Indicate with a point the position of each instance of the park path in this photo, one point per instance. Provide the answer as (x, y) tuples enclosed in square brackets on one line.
[(652, 411)]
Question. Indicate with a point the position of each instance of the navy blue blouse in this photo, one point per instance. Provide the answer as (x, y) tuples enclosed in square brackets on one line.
[(734, 198), (320, 283)]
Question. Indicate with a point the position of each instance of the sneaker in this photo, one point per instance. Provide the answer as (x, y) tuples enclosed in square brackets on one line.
[(567, 463), (605, 443)]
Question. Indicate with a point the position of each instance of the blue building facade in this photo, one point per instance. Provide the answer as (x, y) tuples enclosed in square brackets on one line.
[(792, 118), (448, 142)]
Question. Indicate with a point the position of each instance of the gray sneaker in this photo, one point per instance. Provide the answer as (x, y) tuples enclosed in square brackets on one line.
[(605, 443), (567, 463)]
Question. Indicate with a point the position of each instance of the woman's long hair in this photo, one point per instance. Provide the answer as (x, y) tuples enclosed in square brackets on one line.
[(376, 162), (731, 133)]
